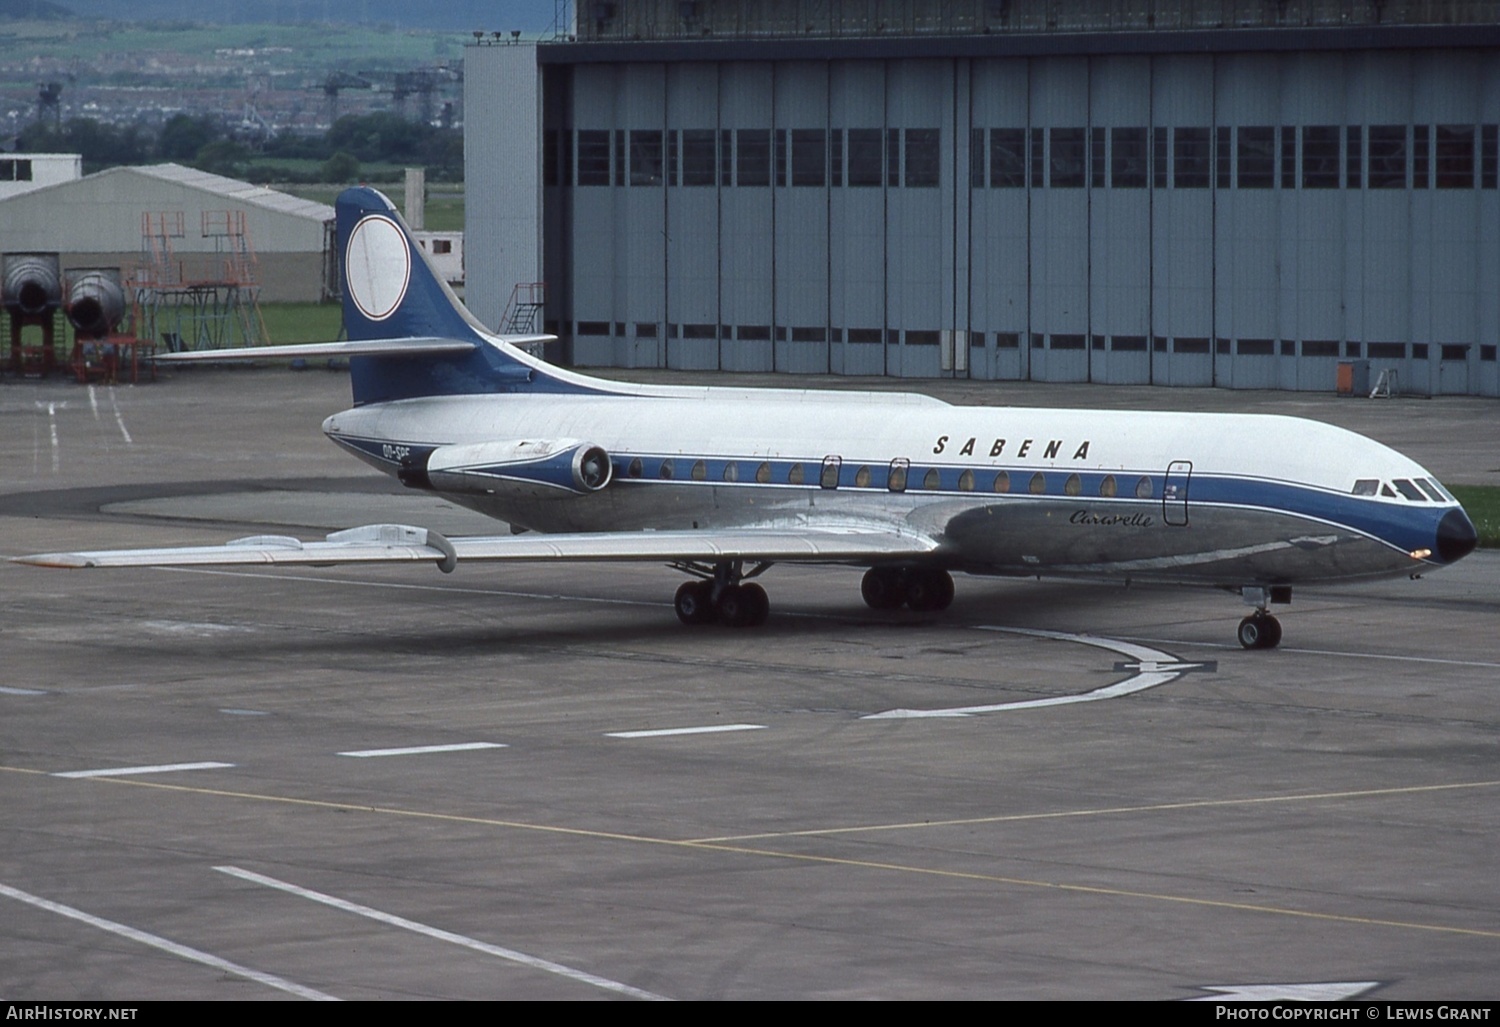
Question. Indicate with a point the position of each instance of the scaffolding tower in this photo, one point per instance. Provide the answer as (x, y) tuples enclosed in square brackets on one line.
[(216, 305)]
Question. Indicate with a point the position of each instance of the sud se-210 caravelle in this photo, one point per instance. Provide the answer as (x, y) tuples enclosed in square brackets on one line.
[(722, 483)]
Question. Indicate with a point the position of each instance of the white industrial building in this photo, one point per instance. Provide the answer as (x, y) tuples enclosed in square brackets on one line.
[(1185, 192), (123, 216)]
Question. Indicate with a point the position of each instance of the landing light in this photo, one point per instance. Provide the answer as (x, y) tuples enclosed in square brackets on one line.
[(1420, 554)]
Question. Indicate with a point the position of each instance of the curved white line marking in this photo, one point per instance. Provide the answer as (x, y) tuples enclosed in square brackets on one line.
[(166, 945), (1152, 667)]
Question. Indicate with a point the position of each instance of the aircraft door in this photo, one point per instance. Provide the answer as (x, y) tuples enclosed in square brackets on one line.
[(1174, 493)]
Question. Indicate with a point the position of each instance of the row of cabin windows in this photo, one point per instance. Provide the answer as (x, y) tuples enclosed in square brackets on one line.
[(1038, 341), (898, 475), (1131, 157)]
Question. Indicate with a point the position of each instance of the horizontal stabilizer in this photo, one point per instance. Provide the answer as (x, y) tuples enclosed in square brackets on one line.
[(364, 348), (401, 543)]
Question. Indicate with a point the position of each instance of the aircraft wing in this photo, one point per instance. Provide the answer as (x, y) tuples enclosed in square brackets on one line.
[(388, 543)]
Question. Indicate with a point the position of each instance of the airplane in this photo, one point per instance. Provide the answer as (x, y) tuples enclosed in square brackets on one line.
[(721, 483)]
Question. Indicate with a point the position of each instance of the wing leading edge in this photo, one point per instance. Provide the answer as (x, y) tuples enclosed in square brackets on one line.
[(399, 543)]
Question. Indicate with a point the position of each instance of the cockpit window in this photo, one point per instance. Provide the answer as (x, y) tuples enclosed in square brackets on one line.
[(1366, 486), (1434, 492), (1387, 492), (1409, 490)]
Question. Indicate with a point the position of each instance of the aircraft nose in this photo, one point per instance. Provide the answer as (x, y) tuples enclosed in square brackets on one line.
[(1456, 537)]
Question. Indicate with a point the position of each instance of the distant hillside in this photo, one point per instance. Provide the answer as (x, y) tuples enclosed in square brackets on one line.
[(33, 10), (461, 15)]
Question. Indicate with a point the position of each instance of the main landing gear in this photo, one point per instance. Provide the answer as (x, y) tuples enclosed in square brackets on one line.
[(1260, 630), (921, 588), (726, 597)]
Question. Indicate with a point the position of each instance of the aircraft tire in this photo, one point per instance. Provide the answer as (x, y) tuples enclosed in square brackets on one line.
[(760, 603), (694, 602), (883, 588), (1260, 631), (738, 605), (928, 590)]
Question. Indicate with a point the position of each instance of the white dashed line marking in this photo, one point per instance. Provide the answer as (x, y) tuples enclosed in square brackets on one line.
[(416, 750), (161, 768), (663, 732)]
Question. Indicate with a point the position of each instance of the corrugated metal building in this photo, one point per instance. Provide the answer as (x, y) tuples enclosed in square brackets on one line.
[(1227, 192), (96, 221)]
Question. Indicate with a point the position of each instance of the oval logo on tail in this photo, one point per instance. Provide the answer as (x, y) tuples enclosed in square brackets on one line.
[(377, 266)]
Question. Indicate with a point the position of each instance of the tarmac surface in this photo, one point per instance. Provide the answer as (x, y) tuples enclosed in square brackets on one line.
[(532, 782)]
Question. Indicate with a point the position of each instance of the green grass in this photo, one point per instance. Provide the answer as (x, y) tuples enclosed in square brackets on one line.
[(301, 322), (1482, 502)]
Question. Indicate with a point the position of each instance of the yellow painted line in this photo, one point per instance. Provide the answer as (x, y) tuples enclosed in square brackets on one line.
[(903, 868), (1162, 807)]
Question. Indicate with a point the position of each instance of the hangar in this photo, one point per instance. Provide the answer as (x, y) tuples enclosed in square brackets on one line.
[(114, 218), (1242, 193)]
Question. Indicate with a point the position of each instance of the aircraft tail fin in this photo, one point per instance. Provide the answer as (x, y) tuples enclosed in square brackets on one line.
[(392, 295)]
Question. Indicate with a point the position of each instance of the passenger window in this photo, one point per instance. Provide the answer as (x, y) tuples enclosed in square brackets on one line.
[(1143, 489), (666, 469), (1107, 487), (1073, 486), (1038, 483), (635, 468), (966, 482), (794, 476), (700, 471), (763, 474), (931, 479), (896, 482), (1366, 486), (830, 476), (862, 478), (1409, 490), (731, 471), (1002, 482)]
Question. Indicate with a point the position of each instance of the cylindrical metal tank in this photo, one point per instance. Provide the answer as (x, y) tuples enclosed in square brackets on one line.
[(96, 301), (31, 284)]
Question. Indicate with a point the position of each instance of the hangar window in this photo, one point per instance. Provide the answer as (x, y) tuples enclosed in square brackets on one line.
[(1038, 484), (1353, 156), (809, 156), (794, 475), (896, 480), (922, 158), (1128, 343), (1098, 162), (1189, 345), (1366, 487), (865, 334), (1455, 156), (619, 160), (809, 334), (674, 147), (698, 156), (1159, 158), (976, 158), (1074, 485), (755, 333), (1007, 340), (15, 171), (665, 471), (1068, 342), (731, 471), (1143, 488), (1320, 157), (593, 328), (862, 478), (1419, 351), (763, 474), (1038, 159), (753, 156), (1067, 163), (1190, 157), (1489, 152), (645, 158), (549, 158), (1487, 353), (1288, 157), (836, 158), (1223, 158), (726, 158), (1452, 352), (646, 329), (1421, 158), (1387, 351), (700, 470), (1127, 159), (864, 157), (1311, 348), (893, 157), (966, 482), (1107, 487), (1387, 157), (593, 157), (931, 480), (1257, 157), (1255, 348), (1007, 158), (778, 157), (1002, 482), (922, 338)]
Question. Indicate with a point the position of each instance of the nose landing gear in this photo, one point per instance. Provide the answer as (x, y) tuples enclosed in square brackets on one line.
[(1260, 630)]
